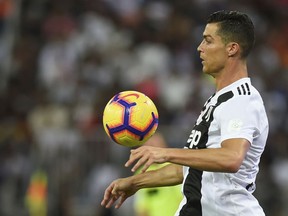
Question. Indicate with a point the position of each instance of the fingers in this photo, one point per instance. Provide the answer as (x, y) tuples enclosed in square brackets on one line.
[(144, 162), (144, 158), (146, 166), (109, 202), (133, 157), (107, 197), (111, 197), (121, 201)]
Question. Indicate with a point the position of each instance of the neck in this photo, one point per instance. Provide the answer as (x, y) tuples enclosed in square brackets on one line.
[(231, 73)]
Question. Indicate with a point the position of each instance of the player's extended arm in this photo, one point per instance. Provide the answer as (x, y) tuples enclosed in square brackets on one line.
[(125, 187), (228, 158)]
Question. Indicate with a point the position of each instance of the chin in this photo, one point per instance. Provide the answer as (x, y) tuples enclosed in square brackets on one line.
[(207, 72)]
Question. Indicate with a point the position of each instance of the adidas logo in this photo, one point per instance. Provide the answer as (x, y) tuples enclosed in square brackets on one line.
[(244, 89)]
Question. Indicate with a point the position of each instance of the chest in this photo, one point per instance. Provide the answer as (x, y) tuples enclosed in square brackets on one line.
[(206, 132)]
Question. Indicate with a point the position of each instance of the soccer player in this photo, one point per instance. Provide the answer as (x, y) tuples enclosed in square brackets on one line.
[(218, 165)]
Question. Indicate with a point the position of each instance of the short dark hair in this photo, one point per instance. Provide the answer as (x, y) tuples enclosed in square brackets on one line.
[(235, 27)]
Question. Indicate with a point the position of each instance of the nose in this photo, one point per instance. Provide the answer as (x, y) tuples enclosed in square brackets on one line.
[(199, 48)]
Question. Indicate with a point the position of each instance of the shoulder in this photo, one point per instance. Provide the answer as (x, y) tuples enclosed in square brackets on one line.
[(243, 91), (241, 97), (247, 90)]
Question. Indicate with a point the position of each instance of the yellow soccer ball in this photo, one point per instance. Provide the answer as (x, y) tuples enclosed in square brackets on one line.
[(130, 118)]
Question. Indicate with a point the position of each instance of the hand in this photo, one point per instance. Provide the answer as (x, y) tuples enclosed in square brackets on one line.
[(146, 155), (118, 189)]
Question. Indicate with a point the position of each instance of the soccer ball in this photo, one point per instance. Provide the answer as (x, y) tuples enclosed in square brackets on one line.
[(130, 118)]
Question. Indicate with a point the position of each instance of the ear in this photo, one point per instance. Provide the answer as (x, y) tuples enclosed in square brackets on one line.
[(232, 49)]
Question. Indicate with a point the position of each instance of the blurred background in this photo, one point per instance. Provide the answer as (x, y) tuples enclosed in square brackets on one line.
[(62, 60)]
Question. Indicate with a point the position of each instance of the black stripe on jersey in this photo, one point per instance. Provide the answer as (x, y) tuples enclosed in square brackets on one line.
[(192, 184), (244, 89), (248, 88), (239, 91), (192, 191)]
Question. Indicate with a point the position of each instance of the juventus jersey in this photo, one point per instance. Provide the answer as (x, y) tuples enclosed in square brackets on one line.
[(236, 111)]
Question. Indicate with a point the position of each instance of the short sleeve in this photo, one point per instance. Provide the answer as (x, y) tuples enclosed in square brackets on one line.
[(238, 118)]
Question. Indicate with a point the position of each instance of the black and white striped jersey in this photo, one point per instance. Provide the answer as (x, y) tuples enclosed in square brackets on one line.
[(236, 111)]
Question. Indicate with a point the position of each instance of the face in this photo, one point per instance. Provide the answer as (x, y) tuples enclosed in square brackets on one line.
[(212, 51)]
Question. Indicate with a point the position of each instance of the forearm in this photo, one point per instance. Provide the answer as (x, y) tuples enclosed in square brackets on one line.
[(205, 159), (166, 176), (228, 158)]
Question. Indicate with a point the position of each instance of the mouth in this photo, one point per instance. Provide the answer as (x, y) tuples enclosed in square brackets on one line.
[(202, 59)]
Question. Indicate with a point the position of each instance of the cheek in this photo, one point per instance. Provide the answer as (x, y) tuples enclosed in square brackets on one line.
[(215, 63), (218, 58)]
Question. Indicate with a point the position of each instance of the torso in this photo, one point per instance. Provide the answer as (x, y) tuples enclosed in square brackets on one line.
[(236, 111)]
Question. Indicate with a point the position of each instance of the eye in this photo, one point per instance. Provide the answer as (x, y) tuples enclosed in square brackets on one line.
[(207, 41)]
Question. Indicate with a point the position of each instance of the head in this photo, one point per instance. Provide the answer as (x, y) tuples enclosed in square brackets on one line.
[(228, 34)]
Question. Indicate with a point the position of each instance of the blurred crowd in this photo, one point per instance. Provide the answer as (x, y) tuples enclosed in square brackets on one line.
[(69, 57)]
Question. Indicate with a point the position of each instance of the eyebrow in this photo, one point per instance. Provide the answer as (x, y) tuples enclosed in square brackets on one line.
[(207, 36)]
